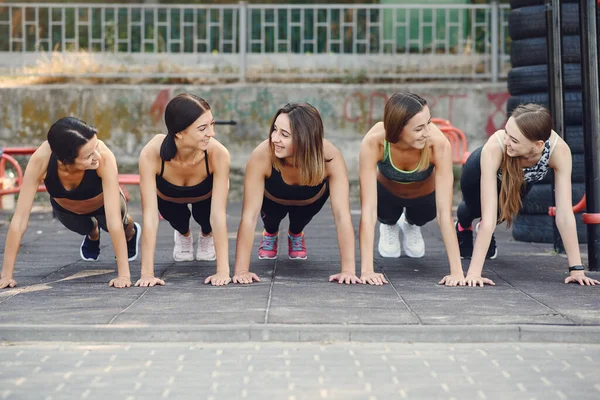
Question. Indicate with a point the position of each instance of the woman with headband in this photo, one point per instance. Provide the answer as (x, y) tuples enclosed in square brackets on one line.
[(187, 166), (406, 181)]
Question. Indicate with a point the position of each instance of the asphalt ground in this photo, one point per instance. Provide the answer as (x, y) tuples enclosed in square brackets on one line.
[(60, 297)]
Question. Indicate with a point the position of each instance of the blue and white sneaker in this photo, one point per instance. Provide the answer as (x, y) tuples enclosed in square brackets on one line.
[(90, 249), (133, 244)]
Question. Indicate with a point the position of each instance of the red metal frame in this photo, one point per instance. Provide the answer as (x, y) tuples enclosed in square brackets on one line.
[(457, 139), (588, 218)]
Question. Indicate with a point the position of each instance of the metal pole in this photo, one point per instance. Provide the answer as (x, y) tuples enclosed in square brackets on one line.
[(555, 83), (591, 122), (495, 40), (243, 39)]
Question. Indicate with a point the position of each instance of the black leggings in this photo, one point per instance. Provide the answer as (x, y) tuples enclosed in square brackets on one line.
[(419, 211), (272, 213), (178, 215), (84, 224), (470, 186)]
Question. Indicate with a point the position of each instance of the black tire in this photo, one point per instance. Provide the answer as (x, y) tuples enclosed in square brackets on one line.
[(534, 79), (574, 138), (530, 22), (538, 229), (526, 52), (573, 104), (514, 4), (540, 197), (577, 173)]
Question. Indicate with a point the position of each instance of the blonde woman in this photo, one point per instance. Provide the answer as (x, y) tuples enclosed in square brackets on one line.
[(497, 177), (294, 172), (406, 181)]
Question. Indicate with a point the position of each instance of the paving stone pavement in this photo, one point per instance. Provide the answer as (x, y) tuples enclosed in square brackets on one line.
[(59, 297), (295, 371)]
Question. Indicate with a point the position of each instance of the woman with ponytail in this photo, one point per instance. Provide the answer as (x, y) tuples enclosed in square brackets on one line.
[(81, 177), (497, 177), (293, 172), (406, 181), (187, 166)]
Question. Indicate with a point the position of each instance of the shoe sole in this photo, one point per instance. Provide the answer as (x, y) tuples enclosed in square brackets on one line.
[(206, 259), (389, 255), (184, 259), (81, 253), (266, 258), (297, 258), (137, 242)]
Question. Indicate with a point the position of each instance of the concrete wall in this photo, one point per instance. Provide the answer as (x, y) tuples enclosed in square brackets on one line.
[(128, 115)]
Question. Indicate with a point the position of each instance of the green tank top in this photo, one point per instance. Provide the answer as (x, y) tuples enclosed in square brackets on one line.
[(388, 169)]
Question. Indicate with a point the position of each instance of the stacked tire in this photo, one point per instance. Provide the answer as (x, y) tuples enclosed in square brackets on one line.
[(528, 83)]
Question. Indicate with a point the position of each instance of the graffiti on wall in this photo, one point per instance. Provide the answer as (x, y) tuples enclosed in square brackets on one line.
[(253, 108), (496, 111), (158, 106), (367, 108)]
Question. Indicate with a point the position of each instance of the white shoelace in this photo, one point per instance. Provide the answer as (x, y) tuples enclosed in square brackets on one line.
[(204, 244), (412, 234), (185, 244), (390, 235)]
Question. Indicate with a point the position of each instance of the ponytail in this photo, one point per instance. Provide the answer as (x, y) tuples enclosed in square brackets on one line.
[(168, 149)]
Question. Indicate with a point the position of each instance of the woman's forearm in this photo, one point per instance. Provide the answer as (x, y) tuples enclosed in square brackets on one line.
[(117, 236), (243, 249), (366, 239), (450, 240), (482, 243), (568, 232), (148, 244), (11, 248), (346, 243), (219, 225)]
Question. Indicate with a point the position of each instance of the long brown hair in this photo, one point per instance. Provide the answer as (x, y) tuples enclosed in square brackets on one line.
[(307, 137), (400, 109), (535, 123)]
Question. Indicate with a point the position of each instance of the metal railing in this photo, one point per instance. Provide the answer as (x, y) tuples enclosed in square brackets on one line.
[(247, 41)]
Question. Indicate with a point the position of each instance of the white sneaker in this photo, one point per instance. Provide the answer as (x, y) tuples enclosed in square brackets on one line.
[(389, 241), (184, 247), (206, 248), (412, 240)]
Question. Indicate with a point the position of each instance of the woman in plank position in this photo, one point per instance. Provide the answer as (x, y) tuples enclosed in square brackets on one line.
[(497, 177), (187, 166), (406, 181), (293, 172), (81, 177)]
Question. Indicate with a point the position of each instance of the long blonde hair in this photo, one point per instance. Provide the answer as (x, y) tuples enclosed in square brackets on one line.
[(399, 109), (535, 123), (306, 128)]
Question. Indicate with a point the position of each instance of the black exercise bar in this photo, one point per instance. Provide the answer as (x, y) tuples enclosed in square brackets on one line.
[(591, 121), (555, 83)]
